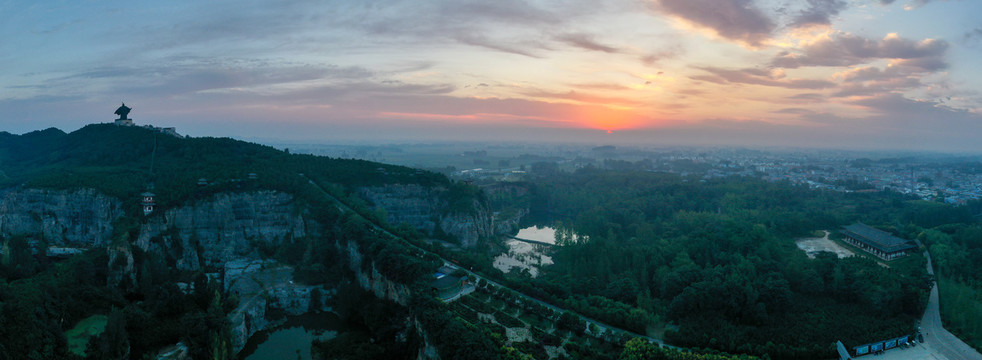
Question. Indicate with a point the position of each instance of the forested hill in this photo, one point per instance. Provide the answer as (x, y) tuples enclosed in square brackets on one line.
[(117, 161), (287, 214)]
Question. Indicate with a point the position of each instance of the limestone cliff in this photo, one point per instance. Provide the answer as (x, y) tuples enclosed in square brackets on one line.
[(372, 280), (424, 208), (384, 288), (81, 218), (121, 271), (226, 227), (263, 285), (507, 223)]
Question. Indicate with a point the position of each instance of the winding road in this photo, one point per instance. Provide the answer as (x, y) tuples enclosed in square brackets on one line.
[(935, 335)]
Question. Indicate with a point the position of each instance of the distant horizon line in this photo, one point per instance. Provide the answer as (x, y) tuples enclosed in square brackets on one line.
[(282, 143)]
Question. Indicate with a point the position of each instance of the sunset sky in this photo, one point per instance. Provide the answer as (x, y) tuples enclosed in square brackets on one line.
[(891, 74)]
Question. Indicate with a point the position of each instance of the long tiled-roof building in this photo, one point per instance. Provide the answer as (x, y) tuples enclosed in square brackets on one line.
[(877, 242)]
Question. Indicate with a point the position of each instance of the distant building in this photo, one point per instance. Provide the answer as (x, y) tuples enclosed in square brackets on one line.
[(877, 242), (123, 111), (446, 285)]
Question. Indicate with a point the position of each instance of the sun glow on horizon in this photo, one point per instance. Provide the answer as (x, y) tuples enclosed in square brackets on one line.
[(608, 118)]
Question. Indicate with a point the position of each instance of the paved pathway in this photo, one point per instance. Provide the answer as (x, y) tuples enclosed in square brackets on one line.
[(935, 335)]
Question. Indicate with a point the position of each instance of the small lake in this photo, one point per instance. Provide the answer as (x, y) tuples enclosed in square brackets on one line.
[(293, 339), (522, 255), (544, 234), (527, 256)]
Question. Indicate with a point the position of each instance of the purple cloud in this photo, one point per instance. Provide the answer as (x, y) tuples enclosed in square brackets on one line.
[(819, 12), (737, 20), (586, 41), (480, 40), (808, 97), (795, 111), (759, 77), (844, 49), (873, 81)]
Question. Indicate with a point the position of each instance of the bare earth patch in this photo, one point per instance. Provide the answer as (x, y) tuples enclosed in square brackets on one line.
[(812, 246)]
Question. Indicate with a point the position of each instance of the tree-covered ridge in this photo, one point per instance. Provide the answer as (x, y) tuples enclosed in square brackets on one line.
[(40, 299), (716, 258), (117, 160)]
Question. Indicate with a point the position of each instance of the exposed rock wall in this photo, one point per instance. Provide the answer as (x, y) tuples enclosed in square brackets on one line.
[(426, 349), (228, 226), (506, 221), (263, 285), (248, 319), (508, 224), (372, 280), (121, 271), (423, 208), (64, 218), (384, 288)]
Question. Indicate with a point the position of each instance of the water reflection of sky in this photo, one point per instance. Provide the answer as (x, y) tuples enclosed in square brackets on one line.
[(544, 234), (522, 255), (288, 343), (294, 338)]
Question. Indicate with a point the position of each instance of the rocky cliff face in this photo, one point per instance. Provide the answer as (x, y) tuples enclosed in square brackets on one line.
[(229, 226), (384, 288), (121, 271), (508, 223), (373, 281), (262, 285), (65, 218), (422, 208)]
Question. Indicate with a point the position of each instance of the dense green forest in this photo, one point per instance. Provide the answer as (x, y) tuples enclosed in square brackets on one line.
[(715, 260), (123, 161), (41, 298), (708, 263), (36, 310)]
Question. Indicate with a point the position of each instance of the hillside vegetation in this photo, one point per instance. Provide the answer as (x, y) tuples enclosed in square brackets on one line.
[(714, 261), (40, 298), (117, 161)]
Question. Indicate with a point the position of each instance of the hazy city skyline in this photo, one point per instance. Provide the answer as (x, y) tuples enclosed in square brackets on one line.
[(876, 74)]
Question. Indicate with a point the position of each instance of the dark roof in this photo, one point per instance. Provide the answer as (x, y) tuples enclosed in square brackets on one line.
[(878, 239), (445, 282)]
